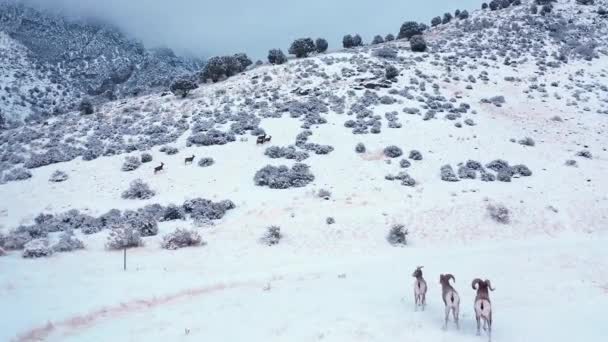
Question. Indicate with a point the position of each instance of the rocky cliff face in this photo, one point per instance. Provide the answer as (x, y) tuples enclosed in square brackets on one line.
[(49, 62)]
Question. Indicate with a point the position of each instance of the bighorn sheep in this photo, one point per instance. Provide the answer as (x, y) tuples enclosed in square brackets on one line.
[(189, 160), (483, 306), (450, 298), (159, 168), (419, 289)]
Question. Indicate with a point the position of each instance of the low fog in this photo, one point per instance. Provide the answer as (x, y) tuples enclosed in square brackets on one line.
[(205, 28)]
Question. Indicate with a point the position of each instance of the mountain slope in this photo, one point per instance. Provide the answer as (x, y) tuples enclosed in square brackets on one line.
[(459, 103), (75, 58)]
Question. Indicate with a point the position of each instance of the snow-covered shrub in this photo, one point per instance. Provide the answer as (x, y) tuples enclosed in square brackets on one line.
[(321, 45), (391, 72), (123, 236), (276, 56), (243, 61), (138, 190), (474, 165), (17, 174), (330, 220), (447, 174), (498, 165), (288, 152), (504, 175), (409, 29), (417, 43), (170, 150), (486, 176), (37, 248), (447, 17), (404, 177), (215, 68), (521, 170), (527, 141), (155, 211), (173, 212), (385, 52), (52, 156), (182, 87), (58, 176), (282, 177), (131, 163), (111, 218), (302, 47), (19, 237), (377, 40), (397, 235), (347, 41), (499, 213), (146, 157), (318, 149), (392, 151), (141, 221), (272, 236), (465, 172), (211, 137), (205, 162), (325, 194), (585, 154), (415, 155), (181, 238), (389, 37), (86, 107), (68, 242), (360, 148), (203, 211), (571, 162), (435, 21), (404, 163)]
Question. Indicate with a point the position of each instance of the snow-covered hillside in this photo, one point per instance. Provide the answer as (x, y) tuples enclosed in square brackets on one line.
[(497, 171), (49, 63)]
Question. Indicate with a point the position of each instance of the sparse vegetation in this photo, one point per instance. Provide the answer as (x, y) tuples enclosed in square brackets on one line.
[(302, 47), (397, 235), (181, 238), (282, 177), (272, 236), (393, 151), (58, 176), (499, 213), (138, 190), (276, 56), (124, 236)]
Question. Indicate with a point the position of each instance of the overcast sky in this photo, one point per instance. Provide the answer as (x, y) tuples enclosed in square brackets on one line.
[(206, 28)]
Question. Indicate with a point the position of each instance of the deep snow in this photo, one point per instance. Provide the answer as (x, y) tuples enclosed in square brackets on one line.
[(339, 282)]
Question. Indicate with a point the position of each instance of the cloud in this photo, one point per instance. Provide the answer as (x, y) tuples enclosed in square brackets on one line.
[(207, 28)]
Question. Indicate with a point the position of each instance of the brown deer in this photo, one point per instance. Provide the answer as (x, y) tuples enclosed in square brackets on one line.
[(450, 299), (268, 138), (189, 160), (159, 168), (419, 289), (483, 306)]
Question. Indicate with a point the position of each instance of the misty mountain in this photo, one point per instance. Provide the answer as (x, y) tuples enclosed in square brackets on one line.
[(48, 62)]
